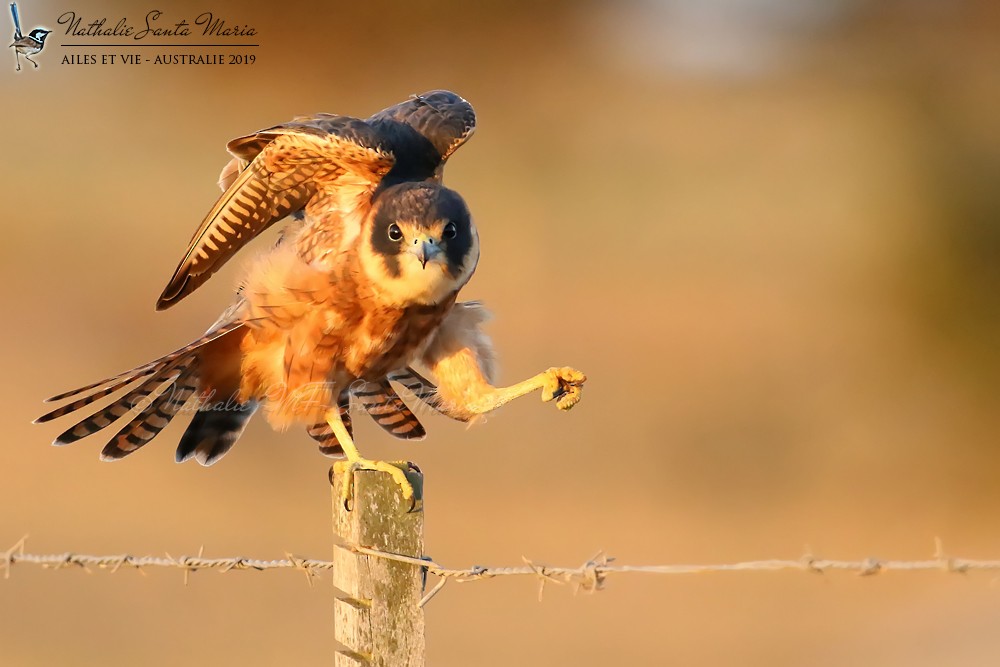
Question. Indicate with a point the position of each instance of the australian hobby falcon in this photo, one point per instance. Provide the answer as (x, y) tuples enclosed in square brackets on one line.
[(361, 288)]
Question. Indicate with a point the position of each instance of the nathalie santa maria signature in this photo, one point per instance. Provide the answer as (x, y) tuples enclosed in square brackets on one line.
[(155, 25)]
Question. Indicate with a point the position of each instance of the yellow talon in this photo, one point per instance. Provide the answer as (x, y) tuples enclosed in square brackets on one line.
[(397, 469), (564, 385)]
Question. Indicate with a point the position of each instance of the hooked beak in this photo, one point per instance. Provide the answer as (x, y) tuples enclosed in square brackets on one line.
[(425, 249)]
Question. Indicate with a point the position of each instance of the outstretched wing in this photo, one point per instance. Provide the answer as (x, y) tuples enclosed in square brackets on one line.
[(276, 172), (440, 120)]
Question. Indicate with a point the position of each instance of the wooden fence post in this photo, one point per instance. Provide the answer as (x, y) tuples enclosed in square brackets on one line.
[(378, 619)]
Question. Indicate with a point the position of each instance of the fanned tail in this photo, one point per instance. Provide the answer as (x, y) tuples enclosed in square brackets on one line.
[(165, 386), (106, 391), (121, 407), (154, 417), (133, 374)]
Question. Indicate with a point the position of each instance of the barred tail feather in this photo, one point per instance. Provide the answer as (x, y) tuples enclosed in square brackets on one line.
[(213, 431), (165, 385), (107, 391), (115, 411), (144, 370), (153, 418), (120, 381)]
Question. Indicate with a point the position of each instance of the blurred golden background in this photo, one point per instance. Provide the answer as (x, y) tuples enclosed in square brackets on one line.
[(768, 230)]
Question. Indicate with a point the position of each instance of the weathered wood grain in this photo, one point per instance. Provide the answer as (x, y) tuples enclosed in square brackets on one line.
[(377, 619)]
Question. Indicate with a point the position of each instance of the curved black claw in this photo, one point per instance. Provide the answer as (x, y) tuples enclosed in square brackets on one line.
[(413, 501)]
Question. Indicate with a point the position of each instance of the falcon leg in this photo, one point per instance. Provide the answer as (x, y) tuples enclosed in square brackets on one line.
[(563, 385), (460, 357), (397, 469)]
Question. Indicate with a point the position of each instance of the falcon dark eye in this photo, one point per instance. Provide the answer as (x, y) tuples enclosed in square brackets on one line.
[(395, 233), (450, 231)]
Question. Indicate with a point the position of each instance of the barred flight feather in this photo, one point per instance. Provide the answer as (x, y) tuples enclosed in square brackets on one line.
[(388, 410), (250, 205), (426, 391), (324, 435)]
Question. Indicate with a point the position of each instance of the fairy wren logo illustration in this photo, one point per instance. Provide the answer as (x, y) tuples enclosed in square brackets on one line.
[(26, 45)]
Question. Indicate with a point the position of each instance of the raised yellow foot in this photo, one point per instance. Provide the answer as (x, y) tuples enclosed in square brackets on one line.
[(564, 385)]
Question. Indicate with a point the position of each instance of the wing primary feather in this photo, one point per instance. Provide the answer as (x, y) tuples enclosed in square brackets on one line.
[(247, 208), (231, 172)]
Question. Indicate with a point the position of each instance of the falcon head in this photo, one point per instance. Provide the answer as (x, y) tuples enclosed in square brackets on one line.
[(421, 244)]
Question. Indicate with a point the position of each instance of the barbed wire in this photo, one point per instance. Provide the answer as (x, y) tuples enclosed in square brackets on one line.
[(588, 577)]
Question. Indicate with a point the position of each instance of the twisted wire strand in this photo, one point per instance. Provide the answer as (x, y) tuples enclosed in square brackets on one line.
[(590, 576)]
